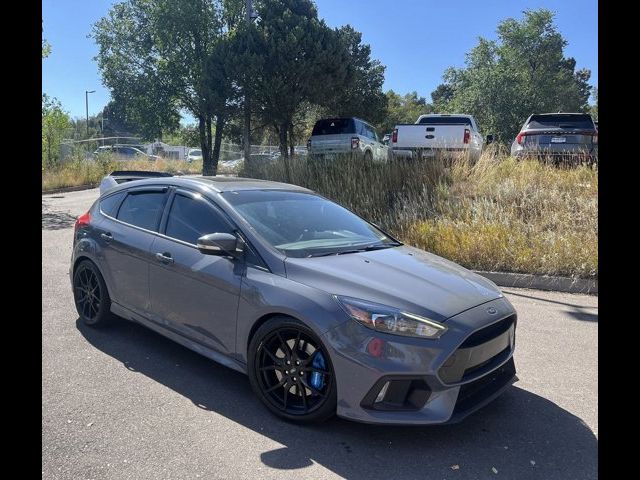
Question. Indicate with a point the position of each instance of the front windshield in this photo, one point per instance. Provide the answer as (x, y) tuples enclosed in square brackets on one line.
[(195, 153), (306, 225)]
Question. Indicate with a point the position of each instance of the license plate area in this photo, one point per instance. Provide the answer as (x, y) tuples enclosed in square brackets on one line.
[(558, 139)]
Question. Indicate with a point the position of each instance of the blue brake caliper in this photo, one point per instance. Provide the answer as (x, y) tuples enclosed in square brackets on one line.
[(317, 378)]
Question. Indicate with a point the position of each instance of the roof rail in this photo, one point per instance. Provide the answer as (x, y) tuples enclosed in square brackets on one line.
[(139, 173)]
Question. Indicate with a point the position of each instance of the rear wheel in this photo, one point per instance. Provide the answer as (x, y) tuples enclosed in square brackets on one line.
[(291, 372), (90, 295)]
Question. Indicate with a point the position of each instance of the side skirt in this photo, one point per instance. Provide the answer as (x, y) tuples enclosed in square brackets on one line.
[(185, 342)]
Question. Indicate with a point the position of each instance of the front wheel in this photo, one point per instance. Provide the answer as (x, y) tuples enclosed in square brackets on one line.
[(291, 372)]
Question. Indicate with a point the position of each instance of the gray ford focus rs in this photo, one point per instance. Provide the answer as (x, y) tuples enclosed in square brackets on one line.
[(326, 313)]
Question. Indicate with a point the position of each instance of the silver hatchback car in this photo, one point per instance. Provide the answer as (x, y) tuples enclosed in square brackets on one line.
[(325, 312)]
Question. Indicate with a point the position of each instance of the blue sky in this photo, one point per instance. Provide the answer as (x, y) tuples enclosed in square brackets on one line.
[(416, 39)]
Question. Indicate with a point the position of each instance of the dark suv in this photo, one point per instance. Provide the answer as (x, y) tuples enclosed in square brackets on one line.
[(557, 136)]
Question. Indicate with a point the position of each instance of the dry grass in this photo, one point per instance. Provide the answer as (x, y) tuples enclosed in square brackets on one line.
[(499, 214), (79, 171)]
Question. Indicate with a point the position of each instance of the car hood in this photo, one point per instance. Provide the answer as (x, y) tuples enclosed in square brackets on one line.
[(402, 277)]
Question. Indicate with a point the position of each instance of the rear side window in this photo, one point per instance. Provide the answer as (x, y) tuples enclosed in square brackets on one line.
[(334, 126), (189, 219), (109, 205), (142, 209), (561, 121), (452, 120)]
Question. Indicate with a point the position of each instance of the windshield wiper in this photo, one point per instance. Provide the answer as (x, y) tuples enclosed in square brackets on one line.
[(368, 248)]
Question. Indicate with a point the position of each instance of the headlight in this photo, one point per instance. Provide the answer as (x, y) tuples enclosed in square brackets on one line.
[(390, 320)]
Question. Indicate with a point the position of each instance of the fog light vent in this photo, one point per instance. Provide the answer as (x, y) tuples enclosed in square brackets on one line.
[(380, 396), (397, 393)]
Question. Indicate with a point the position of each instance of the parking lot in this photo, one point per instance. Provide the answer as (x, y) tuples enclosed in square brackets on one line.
[(124, 402)]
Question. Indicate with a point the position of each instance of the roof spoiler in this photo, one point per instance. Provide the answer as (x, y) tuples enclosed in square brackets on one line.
[(139, 174)]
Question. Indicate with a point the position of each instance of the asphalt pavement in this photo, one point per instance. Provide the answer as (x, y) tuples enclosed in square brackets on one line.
[(124, 402)]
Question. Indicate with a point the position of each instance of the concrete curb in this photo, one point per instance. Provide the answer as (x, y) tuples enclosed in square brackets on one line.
[(543, 282), (70, 189)]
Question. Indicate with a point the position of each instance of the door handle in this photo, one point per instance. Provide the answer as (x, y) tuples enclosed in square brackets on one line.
[(107, 237), (164, 257)]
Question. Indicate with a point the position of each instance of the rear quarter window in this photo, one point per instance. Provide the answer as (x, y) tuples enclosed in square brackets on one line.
[(109, 204)]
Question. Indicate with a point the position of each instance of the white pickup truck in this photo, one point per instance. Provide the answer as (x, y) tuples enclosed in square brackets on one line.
[(442, 133)]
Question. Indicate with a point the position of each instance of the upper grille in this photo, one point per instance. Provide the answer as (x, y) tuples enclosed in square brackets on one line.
[(488, 333)]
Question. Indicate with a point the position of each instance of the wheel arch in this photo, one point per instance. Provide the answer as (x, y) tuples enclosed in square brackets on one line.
[(264, 319), (77, 262)]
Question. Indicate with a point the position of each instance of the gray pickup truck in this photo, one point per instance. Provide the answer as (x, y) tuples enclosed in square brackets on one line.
[(333, 137)]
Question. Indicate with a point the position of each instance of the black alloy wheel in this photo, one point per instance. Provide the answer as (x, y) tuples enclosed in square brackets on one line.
[(292, 372), (90, 294)]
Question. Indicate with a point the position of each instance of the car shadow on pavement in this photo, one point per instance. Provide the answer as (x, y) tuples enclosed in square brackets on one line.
[(522, 435), (57, 220)]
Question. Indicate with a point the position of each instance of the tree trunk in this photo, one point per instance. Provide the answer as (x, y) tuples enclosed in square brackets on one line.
[(292, 148), (217, 143), (212, 166), (246, 133), (284, 151), (206, 153)]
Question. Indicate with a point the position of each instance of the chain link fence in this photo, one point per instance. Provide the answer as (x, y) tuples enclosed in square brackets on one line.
[(229, 152)]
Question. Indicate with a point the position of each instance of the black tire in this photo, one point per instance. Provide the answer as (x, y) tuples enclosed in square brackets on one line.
[(94, 305), (269, 381), (368, 157)]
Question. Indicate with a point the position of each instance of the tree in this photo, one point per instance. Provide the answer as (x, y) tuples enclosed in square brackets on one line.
[(521, 73), (403, 109), (46, 47), (361, 94), (153, 55), (55, 124), (594, 108), (291, 58), (120, 118)]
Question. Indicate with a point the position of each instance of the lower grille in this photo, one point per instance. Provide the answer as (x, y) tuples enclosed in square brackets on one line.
[(474, 393)]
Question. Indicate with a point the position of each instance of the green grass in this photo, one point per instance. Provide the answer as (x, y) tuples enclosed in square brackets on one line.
[(499, 214)]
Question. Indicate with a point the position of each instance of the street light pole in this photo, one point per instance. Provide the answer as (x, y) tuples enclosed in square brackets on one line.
[(86, 104)]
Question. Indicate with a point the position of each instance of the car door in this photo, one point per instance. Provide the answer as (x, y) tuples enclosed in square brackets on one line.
[(126, 235), (193, 293)]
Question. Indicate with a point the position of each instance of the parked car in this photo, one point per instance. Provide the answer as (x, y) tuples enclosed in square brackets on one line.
[(125, 152), (439, 133), (325, 312), (194, 154), (332, 137), (557, 136)]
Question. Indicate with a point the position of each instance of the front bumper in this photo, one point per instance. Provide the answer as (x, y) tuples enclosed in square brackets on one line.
[(429, 381)]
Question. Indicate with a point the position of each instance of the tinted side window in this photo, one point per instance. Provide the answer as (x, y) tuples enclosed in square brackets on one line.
[(109, 205), (142, 209), (189, 219)]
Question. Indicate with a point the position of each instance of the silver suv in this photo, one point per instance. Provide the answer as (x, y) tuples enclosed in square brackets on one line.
[(332, 137)]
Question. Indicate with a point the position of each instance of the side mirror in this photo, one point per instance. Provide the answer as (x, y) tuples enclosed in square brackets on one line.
[(218, 244), (489, 139)]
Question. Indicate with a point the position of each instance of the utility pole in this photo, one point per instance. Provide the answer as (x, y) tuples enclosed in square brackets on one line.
[(86, 104), (247, 100)]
